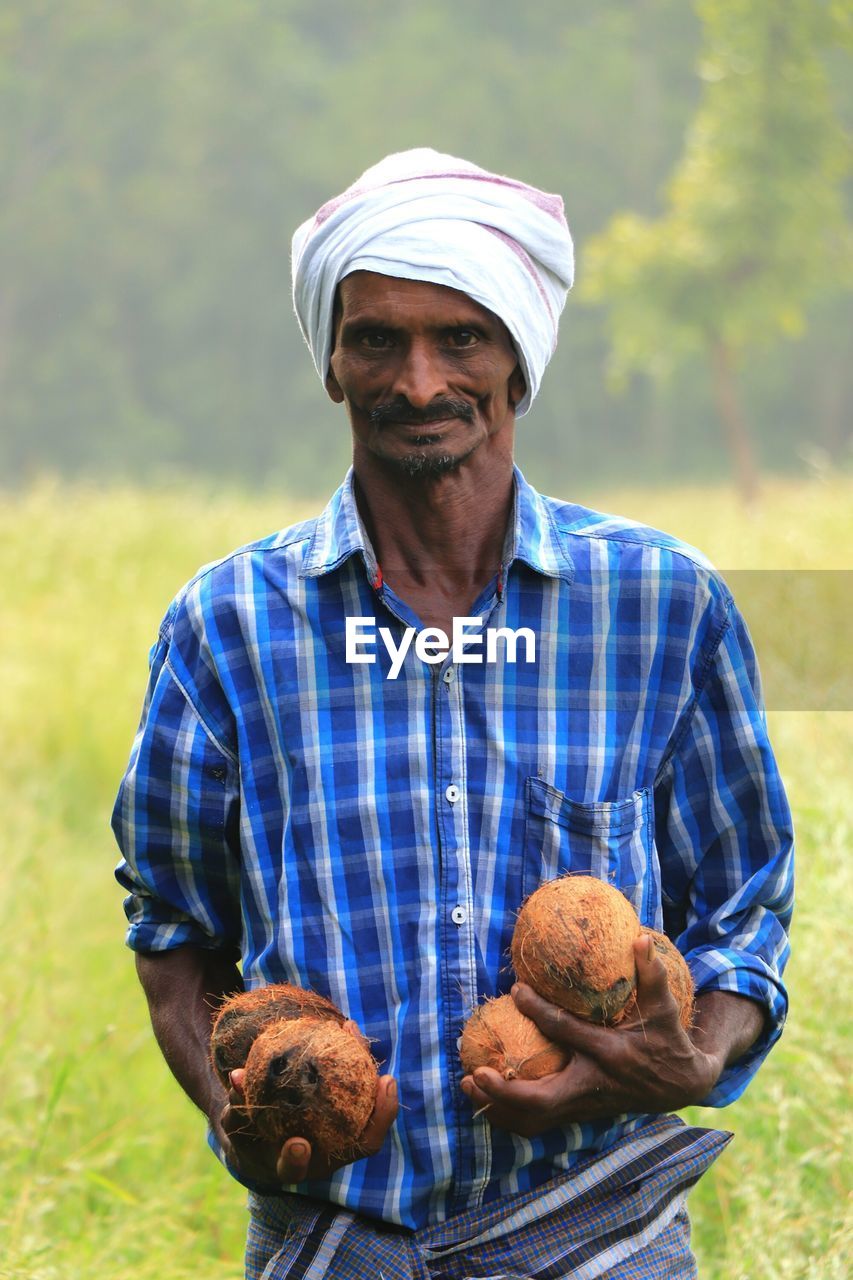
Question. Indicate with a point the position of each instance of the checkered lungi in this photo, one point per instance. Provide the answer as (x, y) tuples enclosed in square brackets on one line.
[(616, 1216)]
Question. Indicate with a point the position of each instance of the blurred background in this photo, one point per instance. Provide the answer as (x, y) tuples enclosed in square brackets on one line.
[(156, 159), (158, 408)]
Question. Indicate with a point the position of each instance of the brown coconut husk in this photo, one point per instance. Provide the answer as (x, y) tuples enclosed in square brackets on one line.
[(678, 974), (500, 1036), (573, 943), (314, 1079), (242, 1018)]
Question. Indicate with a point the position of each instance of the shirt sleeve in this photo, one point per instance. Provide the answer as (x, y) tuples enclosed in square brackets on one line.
[(175, 820), (725, 843)]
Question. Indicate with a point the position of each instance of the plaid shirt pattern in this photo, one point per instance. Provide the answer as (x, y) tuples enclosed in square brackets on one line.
[(373, 838)]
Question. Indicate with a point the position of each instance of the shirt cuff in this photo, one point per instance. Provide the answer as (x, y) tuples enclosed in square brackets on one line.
[(165, 937), (742, 975), (148, 931)]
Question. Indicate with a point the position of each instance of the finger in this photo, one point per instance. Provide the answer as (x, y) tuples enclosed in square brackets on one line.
[(384, 1115), (652, 983), (542, 1096), (483, 1104), (483, 1087), (472, 1093), (293, 1161), (522, 1107), (356, 1030), (525, 1123), (503, 1109), (563, 1028), (237, 1080), (235, 1120)]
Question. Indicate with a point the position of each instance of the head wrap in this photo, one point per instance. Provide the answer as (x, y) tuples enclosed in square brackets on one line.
[(421, 215)]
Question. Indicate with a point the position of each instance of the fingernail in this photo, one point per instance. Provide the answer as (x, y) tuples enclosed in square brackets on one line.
[(392, 1091), (650, 950), (298, 1151), (514, 989)]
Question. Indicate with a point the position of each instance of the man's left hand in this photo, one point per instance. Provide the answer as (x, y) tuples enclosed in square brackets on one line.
[(647, 1063)]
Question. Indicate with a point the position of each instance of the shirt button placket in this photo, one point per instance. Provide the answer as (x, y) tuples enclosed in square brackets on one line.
[(472, 1167)]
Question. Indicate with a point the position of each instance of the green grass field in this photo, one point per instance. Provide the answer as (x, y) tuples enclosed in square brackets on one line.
[(104, 1172)]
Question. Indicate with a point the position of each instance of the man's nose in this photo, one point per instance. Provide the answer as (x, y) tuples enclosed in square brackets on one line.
[(420, 375)]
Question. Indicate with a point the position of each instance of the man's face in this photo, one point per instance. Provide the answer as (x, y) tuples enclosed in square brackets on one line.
[(427, 374)]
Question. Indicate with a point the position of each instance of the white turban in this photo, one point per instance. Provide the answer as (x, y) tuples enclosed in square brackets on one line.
[(421, 215)]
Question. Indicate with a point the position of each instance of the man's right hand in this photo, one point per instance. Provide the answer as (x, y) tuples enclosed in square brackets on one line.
[(295, 1161), (184, 987)]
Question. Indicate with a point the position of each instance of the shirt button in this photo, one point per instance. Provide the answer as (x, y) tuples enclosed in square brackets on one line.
[(459, 915), (449, 675), (452, 793)]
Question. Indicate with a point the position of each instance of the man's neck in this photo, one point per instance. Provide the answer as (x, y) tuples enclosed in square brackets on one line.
[(438, 539)]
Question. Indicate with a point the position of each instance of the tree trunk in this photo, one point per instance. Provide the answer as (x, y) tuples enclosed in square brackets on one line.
[(735, 429)]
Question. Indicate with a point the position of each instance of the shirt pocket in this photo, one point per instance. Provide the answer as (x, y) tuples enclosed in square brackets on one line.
[(611, 840)]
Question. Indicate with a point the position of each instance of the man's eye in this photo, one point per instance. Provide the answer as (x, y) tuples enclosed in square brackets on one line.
[(463, 337), (376, 340)]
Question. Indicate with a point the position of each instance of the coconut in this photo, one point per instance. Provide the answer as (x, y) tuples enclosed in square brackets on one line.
[(242, 1018), (573, 943), (500, 1036), (311, 1078), (678, 975)]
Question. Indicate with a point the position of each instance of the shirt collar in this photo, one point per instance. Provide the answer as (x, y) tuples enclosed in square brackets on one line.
[(338, 534), (532, 536)]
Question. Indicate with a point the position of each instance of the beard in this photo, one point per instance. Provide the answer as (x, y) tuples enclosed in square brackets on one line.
[(425, 466), (422, 465)]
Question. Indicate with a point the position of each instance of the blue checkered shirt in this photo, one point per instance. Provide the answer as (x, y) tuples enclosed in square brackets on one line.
[(372, 838)]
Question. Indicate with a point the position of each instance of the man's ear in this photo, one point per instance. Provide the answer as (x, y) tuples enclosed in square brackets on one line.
[(333, 388), (517, 386)]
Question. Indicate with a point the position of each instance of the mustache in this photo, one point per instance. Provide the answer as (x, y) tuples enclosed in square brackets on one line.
[(399, 410)]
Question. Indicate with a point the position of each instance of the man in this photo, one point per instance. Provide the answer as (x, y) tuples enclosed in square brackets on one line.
[(319, 797)]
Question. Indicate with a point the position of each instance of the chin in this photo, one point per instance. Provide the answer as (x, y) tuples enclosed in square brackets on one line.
[(425, 465)]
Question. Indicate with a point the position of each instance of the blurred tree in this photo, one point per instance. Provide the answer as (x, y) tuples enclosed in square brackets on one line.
[(154, 163), (155, 160), (754, 228)]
